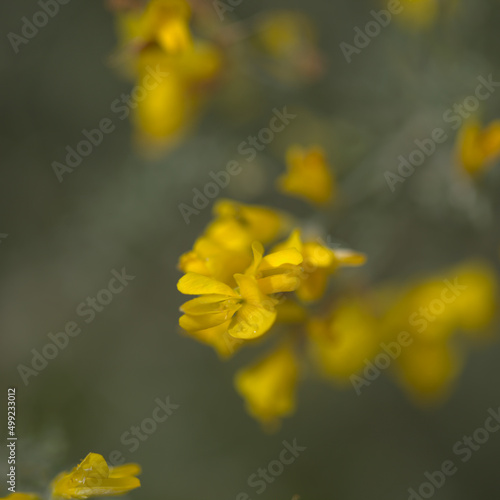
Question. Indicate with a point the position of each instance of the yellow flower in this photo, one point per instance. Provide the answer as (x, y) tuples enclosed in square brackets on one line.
[(418, 14), (288, 41), (169, 106), (226, 247), (239, 225), (268, 386), (277, 272), (433, 311), (427, 369), (21, 496), (341, 343), (478, 147), (319, 262), (308, 175), (164, 22), (246, 312), (92, 477), (213, 258)]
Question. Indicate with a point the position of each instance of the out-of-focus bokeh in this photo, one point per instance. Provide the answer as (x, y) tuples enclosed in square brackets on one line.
[(372, 102)]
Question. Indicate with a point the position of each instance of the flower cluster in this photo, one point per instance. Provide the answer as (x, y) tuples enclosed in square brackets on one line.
[(430, 313), (247, 278), (183, 46), (91, 478)]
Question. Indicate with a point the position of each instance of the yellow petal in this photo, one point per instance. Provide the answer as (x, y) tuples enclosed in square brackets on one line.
[(268, 386), (208, 304), (92, 477), (252, 321), (279, 283), (204, 321), (197, 284), (276, 259), (219, 338), (125, 470), (21, 496)]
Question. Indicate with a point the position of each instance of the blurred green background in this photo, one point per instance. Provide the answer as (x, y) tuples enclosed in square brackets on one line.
[(118, 209)]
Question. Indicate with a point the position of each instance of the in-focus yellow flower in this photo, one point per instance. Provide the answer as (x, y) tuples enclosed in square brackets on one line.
[(94, 478), (340, 343), (216, 259), (21, 496), (319, 262), (269, 385), (418, 14), (309, 176), (246, 312), (164, 22), (226, 247), (478, 147)]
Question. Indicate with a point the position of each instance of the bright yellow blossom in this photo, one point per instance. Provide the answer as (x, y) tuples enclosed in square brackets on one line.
[(268, 386), (478, 147), (93, 477), (226, 247), (308, 176), (246, 312)]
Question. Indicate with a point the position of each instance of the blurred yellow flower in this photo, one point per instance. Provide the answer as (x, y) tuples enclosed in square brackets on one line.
[(92, 478), (164, 22), (289, 40), (427, 369), (433, 311), (269, 385), (418, 14), (168, 108), (340, 343), (478, 147), (309, 176)]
